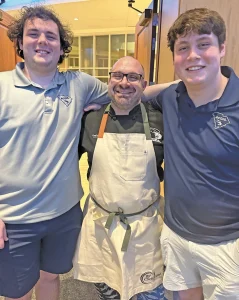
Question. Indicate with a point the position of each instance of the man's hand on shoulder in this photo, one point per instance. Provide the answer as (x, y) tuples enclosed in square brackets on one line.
[(3, 234), (92, 106)]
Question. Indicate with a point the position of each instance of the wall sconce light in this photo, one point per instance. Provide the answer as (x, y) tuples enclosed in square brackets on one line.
[(145, 17), (130, 3)]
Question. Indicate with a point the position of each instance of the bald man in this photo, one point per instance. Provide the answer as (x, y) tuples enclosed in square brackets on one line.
[(119, 247)]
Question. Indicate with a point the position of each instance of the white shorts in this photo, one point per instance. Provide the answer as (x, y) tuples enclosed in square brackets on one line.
[(190, 265)]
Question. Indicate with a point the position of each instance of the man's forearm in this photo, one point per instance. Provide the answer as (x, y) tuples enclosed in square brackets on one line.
[(153, 90)]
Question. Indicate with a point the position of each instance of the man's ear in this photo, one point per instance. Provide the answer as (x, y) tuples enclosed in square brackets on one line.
[(20, 44), (222, 50), (144, 84)]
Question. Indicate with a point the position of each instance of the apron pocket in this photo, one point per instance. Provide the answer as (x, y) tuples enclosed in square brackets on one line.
[(146, 230), (133, 165)]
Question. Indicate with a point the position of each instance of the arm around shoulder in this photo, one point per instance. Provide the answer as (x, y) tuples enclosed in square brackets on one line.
[(96, 90), (153, 90)]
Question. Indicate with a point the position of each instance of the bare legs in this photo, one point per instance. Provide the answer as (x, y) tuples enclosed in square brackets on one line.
[(47, 288)]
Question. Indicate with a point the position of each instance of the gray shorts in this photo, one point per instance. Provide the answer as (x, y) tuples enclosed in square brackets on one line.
[(47, 246), (190, 265)]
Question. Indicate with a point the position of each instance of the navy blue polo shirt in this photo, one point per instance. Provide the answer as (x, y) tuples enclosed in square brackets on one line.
[(202, 163)]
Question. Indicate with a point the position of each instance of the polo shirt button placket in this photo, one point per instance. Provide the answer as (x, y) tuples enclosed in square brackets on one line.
[(48, 105)]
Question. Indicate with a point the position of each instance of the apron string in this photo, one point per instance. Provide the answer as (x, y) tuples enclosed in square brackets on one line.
[(125, 221), (123, 218), (103, 122), (145, 122), (120, 212)]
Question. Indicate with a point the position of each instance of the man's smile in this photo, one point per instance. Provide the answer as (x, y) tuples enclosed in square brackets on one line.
[(195, 68)]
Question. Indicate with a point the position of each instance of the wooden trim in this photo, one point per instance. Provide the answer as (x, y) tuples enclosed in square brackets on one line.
[(169, 11), (5, 19)]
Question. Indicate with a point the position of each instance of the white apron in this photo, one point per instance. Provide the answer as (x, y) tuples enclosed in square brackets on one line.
[(123, 179)]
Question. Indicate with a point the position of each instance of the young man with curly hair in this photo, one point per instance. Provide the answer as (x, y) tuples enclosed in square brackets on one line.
[(40, 188)]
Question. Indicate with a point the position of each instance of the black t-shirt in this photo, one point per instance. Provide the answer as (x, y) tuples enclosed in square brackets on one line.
[(132, 123)]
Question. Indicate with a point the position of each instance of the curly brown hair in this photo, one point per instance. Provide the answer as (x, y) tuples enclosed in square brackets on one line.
[(200, 21), (15, 31)]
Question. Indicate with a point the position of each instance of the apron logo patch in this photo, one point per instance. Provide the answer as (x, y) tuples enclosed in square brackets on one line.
[(220, 120), (156, 135), (66, 100), (147, 277)]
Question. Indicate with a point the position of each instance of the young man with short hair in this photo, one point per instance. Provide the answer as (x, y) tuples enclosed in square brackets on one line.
[(200, 237)]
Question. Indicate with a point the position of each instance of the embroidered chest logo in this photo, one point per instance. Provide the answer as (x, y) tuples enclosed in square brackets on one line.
[(220, 120), (156, 135), (65, 99)]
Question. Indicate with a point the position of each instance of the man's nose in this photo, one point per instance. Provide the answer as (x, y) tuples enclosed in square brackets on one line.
[(124, 81), (42, 38), (193, 54)]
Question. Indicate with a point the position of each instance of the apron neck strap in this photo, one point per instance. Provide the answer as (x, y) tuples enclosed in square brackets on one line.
[(103, 122), (145, 122), (144, 116)]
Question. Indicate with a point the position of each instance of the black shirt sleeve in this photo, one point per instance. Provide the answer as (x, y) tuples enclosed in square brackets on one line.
[(156, 102), (156, 128), (81, 149), (88, 136)]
